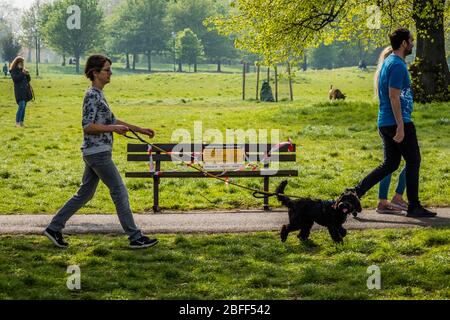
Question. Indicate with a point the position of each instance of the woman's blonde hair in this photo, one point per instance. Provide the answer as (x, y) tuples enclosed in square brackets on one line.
[(15, 62), (383, 55)]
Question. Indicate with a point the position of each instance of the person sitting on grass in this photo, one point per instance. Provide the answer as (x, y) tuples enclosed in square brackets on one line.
[(99, 123)]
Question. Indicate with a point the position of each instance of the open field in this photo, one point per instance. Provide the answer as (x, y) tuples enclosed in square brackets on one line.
[(41, 166)]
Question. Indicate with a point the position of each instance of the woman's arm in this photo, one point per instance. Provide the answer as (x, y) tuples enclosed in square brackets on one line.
[(94, 128), (147, 131)]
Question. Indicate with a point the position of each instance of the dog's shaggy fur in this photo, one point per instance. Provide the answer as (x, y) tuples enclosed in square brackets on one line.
[(335, 94), (303, 213)]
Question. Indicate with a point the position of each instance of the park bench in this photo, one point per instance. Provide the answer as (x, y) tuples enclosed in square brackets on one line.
[(254, 153)]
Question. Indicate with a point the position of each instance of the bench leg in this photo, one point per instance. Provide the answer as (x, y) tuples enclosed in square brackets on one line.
[(156, 195), (266, 198)]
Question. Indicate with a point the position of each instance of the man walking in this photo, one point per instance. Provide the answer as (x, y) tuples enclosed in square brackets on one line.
[(395, 125)]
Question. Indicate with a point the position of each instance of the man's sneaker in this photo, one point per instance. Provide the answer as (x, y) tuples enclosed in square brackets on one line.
[(56, 238), (143, 242), (420, 212)]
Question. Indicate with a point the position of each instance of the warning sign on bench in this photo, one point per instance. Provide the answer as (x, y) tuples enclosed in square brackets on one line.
[(223, 158)]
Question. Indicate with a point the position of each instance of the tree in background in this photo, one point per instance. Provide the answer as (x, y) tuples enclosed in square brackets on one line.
[(191, 14), (123, 37), (31, 34), (152, 32), (187, 48), (76, 41), (139, 26), (7, 15), (280, 29), (10, 47)]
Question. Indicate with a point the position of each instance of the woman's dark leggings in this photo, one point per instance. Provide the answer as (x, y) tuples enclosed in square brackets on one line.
[(393, 151)]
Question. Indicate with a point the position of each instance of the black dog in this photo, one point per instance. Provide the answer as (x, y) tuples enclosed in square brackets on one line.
[(331, 214)]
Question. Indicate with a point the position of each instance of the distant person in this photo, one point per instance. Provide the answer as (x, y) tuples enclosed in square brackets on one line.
[(5, 69), (395, 125), (22, 88), (99, 123), (397, 204)]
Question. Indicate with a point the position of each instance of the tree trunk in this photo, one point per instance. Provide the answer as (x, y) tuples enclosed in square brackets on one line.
[(128, 61), (429, 72), (77, 62), (219, 69), (134, 61), (243, 80), (180, 66), (37, 57), (291, 94), (195, 66), (39, 50), (276, 83), (257, 82), (64, 60), (305, 62), (149, 61)]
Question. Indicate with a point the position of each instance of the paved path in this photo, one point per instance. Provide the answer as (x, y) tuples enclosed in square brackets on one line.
[(205, 222)]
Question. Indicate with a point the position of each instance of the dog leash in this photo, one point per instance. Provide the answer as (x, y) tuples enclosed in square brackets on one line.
[(257, 193)]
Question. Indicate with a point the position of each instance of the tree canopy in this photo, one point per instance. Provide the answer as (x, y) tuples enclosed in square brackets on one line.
[(64, 38), (281, 29)]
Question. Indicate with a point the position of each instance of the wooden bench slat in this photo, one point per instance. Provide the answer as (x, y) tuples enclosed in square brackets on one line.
[(196, 174), (133, 147), (252, 158)]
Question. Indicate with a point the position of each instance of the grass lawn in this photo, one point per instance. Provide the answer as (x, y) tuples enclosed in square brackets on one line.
[(41, 166), (414, 264)]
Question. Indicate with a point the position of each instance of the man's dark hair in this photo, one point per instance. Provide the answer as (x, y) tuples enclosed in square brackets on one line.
[(95, 63), (398, 36)]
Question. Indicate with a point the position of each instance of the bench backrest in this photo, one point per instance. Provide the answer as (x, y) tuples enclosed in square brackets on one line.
[(253, 152)]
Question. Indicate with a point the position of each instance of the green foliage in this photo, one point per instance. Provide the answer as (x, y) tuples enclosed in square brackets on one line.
[(191, 14), (31, 24), (73, 41), (150, 29), (188, 47), (280, 30), (10, 47)]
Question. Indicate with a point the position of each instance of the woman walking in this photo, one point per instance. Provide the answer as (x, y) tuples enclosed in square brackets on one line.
[(397, 204), (99, 123), (22, 88)]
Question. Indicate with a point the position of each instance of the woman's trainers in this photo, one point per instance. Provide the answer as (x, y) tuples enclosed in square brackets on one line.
[(143, 242), (388, 208), (56, 237)]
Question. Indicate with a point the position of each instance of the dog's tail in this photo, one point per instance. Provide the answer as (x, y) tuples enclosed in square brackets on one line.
[(280, 190)]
